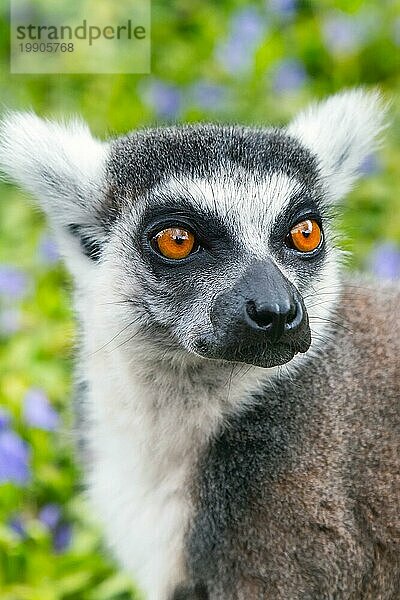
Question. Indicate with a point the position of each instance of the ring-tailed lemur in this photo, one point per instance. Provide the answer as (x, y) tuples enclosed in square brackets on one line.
[(241, 414)]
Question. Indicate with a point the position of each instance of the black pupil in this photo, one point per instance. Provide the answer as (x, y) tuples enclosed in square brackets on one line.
[(307, 232), (179, 239)]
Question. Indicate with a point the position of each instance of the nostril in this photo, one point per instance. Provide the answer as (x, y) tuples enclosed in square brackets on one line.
[(273, 318), (260, 315), (295, 316), (291, 315)]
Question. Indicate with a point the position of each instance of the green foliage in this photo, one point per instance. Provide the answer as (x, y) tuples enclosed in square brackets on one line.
[(289, 59)]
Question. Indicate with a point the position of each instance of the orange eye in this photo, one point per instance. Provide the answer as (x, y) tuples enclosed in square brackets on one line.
[(306, 236), (174, 243)]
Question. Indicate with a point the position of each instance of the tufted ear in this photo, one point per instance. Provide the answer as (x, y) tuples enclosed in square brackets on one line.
[(341, 131), (63, 166)]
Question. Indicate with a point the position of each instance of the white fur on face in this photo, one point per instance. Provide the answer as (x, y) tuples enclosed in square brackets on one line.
[(246, 204), (250, 207)]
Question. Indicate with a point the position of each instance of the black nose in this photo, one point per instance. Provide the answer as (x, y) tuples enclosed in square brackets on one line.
[(274, 318)]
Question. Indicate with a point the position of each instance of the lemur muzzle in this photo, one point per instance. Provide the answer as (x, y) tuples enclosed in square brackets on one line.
[(262, 310)]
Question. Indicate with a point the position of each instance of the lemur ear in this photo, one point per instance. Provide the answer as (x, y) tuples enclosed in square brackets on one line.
[(341, 132), (62, 165)]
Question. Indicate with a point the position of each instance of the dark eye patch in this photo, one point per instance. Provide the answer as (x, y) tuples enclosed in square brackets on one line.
[(301, 207), (180, 211)]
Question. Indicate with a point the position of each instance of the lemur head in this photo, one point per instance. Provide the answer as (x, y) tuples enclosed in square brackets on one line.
[(206, 241)]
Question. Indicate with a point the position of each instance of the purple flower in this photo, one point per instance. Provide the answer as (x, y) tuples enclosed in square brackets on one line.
[(10, 321), (38, 411), (13, 283), (5, 419), (164, 98), (289, 76), (235, 58), (17, 526), (341, 33), (48, 250), (385, 261), (246, 32), (50, 515), (246, 25), (208, 96), (283, 8), (62, 537), (14, 458)]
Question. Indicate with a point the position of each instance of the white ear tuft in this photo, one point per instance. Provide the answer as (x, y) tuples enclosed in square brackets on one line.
[(62, 165), (56, 162), (341, 131)]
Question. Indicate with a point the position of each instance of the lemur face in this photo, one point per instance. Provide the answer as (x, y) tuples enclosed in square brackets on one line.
[(223, 234), (199, 242)]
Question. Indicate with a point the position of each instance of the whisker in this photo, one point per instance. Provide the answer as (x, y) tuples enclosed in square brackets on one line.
[(125, 341), (230, 382), (115, 336), (322, 336), (332, 322)]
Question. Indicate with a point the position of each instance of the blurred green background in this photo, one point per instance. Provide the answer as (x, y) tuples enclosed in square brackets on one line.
[(250, 62)]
